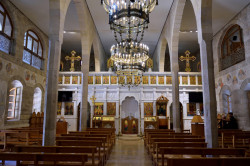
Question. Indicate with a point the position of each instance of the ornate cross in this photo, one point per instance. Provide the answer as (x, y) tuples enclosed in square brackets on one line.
[(72, 59), (187, 59), (93, 99)]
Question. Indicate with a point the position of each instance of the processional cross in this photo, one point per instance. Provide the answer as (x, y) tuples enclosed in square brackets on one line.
[(73, 58), (187, 59), (93, 99)]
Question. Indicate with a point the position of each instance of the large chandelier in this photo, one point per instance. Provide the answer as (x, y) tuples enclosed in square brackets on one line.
[(128, 19), (129, 57)]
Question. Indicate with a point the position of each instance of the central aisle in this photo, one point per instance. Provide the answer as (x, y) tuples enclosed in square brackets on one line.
[(129, 151)]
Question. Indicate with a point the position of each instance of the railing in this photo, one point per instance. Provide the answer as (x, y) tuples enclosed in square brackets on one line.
[(148, 79)]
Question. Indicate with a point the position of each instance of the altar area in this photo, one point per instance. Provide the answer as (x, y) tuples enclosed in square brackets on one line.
[(119, 98)]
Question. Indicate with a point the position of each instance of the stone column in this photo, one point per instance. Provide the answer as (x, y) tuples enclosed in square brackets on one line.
[(176, 104), (175, 90), (51, 96), (209, 97), (84, 103), (91, 115)]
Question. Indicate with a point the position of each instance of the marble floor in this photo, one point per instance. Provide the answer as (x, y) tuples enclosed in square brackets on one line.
[(129, 151)]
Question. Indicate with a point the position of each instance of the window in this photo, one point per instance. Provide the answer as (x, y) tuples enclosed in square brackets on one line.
[(33, 50), (5, 30), (232, 48), (37, 100), (15, 98)]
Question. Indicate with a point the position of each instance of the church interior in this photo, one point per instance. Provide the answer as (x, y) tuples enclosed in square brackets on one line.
[(125, 82)]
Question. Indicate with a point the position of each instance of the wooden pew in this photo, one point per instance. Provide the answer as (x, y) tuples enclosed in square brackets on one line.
[(201, 152), (91, 151), (16, 137), (154, 146), (97, 143), (243, 161), (48, 159), (152, 136), (157, 145)]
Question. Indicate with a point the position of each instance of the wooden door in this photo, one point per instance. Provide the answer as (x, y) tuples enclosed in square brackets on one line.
[(130, 125)]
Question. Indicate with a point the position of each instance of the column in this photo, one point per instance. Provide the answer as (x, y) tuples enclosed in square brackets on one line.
[(51, 96), (176, 104), (91, 114), (84, 103)]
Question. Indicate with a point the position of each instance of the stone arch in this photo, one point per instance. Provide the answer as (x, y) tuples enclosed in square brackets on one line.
[(13, 82), (173, 34), (38, 85), (225, 91), (98, 59), (16, 77), (161, 61), (245, 86), (93, 60)]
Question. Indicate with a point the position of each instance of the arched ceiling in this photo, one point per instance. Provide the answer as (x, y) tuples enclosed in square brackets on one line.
[(38, 12)]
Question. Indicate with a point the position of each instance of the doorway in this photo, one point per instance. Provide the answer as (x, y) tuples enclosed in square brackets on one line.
[(130, 116)]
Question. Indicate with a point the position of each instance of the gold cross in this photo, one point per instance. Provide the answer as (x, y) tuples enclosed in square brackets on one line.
[(72, 59), (187, 59), (93, 99)]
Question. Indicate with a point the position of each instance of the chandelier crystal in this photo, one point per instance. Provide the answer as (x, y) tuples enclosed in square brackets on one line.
[(129, 18), (129, 57)]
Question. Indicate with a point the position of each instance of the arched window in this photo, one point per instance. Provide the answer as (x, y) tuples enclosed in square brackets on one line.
[(232, 48), (33, 50), (37, 100), (6, 30), (15, 100), (227, 102)]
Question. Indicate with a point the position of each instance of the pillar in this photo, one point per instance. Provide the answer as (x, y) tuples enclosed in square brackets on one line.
[(51, 95), (176, 104), (175, 90), (84, 103)]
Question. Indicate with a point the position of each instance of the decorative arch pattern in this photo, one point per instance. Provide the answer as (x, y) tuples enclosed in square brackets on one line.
[(6, 30), (232, 47)]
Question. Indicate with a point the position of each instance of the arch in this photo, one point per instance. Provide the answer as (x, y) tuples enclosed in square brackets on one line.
[(245, 86), (16, 77), (173, 33), (37, 100), (164, 45), (92, 60), (225, 99), (231, 48), (33, 49), (127, 109), (6, 30), (15, 100)]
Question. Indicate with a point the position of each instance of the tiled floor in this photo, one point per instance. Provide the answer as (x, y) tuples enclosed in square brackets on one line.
[(130, 152)]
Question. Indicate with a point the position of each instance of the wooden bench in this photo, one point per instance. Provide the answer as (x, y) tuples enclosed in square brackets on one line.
[(154, 141), (243, 161), (201, 152), (59, 159), (97, 143), (91, 151), (16, 137)]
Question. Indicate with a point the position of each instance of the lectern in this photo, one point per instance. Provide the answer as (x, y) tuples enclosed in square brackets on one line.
[(197, 126)]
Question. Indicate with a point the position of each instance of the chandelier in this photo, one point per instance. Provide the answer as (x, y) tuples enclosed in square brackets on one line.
[(129, 57), (128, 19)]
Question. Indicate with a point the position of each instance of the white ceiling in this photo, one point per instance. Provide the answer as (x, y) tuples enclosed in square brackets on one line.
[(38, 12)]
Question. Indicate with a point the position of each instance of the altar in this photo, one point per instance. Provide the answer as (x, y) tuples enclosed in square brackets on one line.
[(107, 99)]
